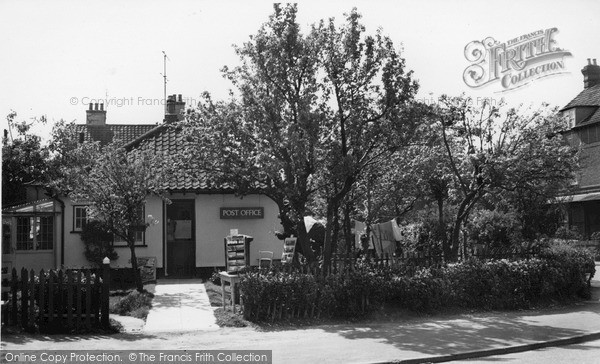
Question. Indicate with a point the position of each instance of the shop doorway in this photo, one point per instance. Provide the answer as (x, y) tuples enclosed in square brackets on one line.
[(181, 239)]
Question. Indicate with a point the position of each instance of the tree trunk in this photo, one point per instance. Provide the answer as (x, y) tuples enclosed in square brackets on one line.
[(136, 273), (348, 230), (442, 229), (455, 240), (328, 245), (463, 210), (335, 232)]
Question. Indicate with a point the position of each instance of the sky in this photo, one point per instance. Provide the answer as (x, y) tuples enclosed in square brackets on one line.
[(58, 56)]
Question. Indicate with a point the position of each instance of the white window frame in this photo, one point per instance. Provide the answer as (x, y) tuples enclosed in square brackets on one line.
[(35, 232), (82, 219)]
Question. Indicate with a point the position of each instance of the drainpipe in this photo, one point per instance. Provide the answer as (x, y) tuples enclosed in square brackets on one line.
[(164, 238), (62, 230)]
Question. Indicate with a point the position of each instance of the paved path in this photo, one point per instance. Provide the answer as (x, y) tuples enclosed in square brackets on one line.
[(180, 305)]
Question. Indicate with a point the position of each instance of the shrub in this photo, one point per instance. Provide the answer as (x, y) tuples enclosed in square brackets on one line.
[(424, 291), (568, 234), (98, 242), (424, 236), (494, 229), (558, 272), (277, 295), (596, 236), (572, 264), (135, 304), (215, 278)]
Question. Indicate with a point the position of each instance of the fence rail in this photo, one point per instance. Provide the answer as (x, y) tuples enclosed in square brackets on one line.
[(57, 300), (408, 262), (306, 297)]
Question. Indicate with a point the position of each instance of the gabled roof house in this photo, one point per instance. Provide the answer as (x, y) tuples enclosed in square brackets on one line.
[(583, 114), (191, 230)]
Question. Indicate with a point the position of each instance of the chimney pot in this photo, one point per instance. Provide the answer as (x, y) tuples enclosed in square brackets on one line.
[(591, 74), (175, 108), (95, 116)]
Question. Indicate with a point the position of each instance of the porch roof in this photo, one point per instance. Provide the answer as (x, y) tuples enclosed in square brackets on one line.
[(45, 205), (581, 197)]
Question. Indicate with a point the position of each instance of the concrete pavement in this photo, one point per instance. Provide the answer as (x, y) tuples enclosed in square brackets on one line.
[(180, 305)]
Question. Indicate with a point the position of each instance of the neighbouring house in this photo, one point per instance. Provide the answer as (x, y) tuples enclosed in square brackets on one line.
[(190, 233), (583, 115)]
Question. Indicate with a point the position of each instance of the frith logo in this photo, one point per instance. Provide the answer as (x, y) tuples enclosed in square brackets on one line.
[(516, 62)]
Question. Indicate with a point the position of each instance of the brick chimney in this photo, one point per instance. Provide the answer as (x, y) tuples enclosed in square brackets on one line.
[(95, 116), (175, 108), (591, 74)]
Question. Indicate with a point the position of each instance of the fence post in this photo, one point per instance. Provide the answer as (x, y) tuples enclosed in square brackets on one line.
[(105, 289), (14, 288), (88, 299), (79, 298), (43, 303), (31, 288), (51, 295), (24, 298), (60, 304), (70, 298)]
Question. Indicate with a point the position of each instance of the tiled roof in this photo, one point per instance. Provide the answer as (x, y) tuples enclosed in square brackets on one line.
[(105, 133), (592, 119), (588, 97), (167, 139)]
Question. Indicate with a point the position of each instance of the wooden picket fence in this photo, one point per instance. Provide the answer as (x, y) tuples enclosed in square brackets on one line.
[(408, 262), (341, 264), (57, 300)]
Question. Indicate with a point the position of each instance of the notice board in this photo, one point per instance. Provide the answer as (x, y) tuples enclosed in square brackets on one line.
[(289, 248)]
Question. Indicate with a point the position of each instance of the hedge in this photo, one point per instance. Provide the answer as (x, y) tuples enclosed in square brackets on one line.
[(279, 295), (559, 272)]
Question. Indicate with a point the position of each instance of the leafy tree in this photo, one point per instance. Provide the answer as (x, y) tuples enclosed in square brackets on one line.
[(116, 189), (24, 160), (268, 137), (369, 97), (493, 229), (392, 188), (311, 113), (492, 151), (69, 160)]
